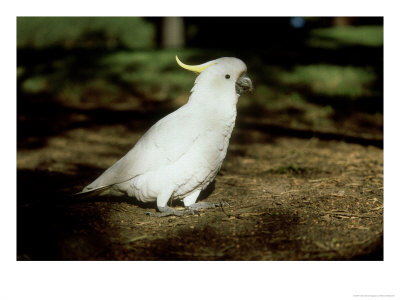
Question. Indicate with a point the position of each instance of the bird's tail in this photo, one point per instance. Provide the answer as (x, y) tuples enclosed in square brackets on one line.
[(87, 192)]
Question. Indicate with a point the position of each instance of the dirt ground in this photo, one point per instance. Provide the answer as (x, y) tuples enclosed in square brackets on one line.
[(309, 196)]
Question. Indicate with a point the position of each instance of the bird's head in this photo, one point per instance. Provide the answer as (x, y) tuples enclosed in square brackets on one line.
[(226, 74)]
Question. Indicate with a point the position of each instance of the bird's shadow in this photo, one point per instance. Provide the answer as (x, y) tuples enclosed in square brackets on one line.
[(133, 201)]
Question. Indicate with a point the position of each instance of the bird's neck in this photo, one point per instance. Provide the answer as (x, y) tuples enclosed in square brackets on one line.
[(214, 104)]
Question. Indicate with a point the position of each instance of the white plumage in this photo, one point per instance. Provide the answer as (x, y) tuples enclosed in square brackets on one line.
[(183, 152)]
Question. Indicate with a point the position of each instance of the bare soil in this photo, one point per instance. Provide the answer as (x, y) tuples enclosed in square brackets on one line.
[(292, 195)]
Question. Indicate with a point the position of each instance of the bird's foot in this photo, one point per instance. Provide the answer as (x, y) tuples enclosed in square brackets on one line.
[(190, 210), (206, 205), (169, 211)]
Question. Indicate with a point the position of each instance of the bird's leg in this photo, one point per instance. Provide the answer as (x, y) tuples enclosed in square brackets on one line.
[(165, 210), (190, 202)]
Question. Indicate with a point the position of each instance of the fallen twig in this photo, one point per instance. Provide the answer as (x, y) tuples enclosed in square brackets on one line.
[(287, 192), (377, 208), (347, 214), (138, 238)]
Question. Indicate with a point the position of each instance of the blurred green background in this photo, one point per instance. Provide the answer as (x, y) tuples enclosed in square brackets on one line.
[(312, 76)]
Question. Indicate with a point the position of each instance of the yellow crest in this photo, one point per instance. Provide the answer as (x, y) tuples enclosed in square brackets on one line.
[(197, 69)]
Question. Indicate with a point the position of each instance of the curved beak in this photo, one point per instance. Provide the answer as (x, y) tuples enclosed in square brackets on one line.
[(244, 84)]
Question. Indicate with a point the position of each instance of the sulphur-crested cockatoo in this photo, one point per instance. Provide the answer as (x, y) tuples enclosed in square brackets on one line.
[(182, 153)]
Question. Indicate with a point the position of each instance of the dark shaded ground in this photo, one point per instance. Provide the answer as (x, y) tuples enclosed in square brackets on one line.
[(290, 198)]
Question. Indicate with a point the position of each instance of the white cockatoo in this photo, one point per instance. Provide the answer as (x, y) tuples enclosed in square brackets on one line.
[(182, 153)]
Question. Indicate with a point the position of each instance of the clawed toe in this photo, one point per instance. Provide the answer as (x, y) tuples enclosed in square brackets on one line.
[(193, 211), (168, 211), (190, 210), (206, 205)]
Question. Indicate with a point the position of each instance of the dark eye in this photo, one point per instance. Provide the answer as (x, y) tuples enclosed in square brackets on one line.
[(227, 76)]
